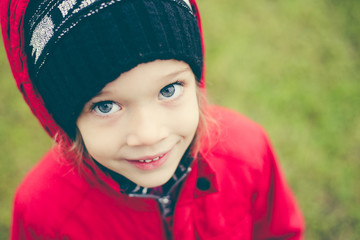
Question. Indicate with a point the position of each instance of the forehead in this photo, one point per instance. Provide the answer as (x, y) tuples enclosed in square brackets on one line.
[(146, 76)]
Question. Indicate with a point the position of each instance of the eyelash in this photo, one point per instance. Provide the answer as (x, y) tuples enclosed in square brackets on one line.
[(177, 82), (97, 104)]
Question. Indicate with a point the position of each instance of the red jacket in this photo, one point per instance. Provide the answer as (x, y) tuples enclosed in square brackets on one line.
[(235, 189)]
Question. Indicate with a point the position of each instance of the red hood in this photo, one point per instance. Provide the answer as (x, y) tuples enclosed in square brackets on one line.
[(11, 16)]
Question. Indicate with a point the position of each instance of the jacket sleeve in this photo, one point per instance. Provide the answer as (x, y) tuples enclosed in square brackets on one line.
[(276, 213), (28, 223), (19, 228)]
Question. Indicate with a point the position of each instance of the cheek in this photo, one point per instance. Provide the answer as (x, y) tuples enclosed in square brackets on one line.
[(186, 118), (98, 141), (96, 147)]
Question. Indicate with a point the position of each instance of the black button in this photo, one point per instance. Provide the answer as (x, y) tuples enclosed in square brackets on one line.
[(203, 184)]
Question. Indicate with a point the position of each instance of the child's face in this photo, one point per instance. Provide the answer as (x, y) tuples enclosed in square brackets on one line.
[(149, 113)]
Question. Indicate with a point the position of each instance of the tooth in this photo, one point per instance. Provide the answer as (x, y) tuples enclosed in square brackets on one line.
[(141, 160), (147, 161), (157, 158)]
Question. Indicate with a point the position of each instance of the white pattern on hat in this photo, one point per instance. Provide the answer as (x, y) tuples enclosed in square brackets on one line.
[(188, 3), (41, 36), (86, 3), (65, 6)]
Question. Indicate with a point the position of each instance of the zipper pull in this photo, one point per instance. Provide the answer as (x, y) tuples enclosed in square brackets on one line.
[(165, 204)]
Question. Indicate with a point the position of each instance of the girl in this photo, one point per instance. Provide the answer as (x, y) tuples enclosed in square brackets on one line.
[(140, 155)]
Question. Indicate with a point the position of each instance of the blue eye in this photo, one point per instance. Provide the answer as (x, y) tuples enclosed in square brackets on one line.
[(171, 91), (106, 108)]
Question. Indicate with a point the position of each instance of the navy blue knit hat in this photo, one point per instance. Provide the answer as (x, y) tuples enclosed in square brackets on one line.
[(76, 47)]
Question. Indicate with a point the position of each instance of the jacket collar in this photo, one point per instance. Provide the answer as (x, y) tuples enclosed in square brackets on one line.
[(201, 179)]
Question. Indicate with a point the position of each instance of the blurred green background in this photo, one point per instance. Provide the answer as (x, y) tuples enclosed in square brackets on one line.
[(293, 66)]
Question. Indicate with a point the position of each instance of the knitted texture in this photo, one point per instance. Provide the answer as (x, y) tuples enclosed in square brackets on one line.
[(76, 47)]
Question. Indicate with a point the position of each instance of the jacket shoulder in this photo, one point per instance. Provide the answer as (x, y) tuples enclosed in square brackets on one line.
[(230, 120), (231, 129), (47, 196), (233, 136)]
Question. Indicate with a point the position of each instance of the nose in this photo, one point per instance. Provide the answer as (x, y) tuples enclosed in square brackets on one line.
[(146, 128)]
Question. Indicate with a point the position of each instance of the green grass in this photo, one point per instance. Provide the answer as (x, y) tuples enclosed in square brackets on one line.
[(293, 66)]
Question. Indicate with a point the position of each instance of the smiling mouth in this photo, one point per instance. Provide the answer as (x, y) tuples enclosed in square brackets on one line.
[(151, 160), (149, 163)]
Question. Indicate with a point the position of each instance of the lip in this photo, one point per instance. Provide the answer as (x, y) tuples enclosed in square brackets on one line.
[(147, 157), (150, 165)]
